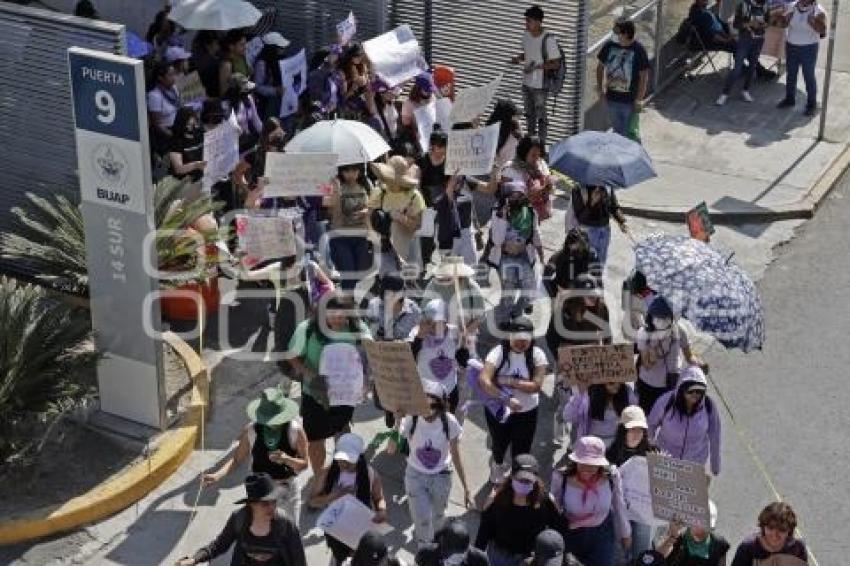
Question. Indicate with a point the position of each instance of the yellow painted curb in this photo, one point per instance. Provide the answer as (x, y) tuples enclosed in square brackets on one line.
[(133, 483)]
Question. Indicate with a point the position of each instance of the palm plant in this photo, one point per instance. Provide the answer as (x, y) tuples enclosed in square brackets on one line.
[(46, 351)]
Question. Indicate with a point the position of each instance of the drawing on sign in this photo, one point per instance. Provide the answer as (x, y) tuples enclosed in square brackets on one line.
[(262, 238), (347, 519), (396, 377), (472, 152), (299, 174), (342, 369), (472, 102), (679, 490), (589, 365), (111, 165)]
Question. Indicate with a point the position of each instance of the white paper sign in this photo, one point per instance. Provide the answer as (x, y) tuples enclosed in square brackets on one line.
[(221, 151), (635, 475), (252, 50), (395, 55), (472, 102), (299, 174), (343, 369), (293, 76), (472, 151), (428, 226), (435, 112), (264, 237), (346, 29), (347, 519)]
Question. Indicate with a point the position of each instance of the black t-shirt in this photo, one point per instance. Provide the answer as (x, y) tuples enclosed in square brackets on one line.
[(622, 68), (433, 179), (514, 528), (750, 552), (191, 149), (261, 551)]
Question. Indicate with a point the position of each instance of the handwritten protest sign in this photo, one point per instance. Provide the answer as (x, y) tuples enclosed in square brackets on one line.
[(347, 519), (395, 55), (679, 490), (221, 151), (299, 174), (435, 112), (635, 481), (699, 222), (472, 151), (190, 88), (261, 238), (396, 377), (346, 29), (342, 368), (588, 365), (472, 102), (293, 77)]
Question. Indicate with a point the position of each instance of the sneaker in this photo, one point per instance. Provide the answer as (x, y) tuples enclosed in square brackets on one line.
[(785, 103), (721, 100), (811, 110), (746, 96)]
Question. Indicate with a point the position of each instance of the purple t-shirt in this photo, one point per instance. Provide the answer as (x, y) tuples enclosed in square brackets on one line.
[(750, 551)]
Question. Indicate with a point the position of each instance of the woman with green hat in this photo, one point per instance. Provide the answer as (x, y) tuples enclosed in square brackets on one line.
[(277, 444)]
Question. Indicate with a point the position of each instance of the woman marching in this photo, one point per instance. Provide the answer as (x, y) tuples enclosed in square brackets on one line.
[(277, 444), (434, 453), (694, 546), (595, 410)]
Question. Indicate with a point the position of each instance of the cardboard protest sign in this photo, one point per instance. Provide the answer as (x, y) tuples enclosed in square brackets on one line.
[(435, 112), (342, 368), (396, 377), (472, 102), (588, 365), (699, 222), (191, 89), (780, 560), (679, 490), (635, 482), (221, 151), (395, 55), (346, 29), (347, 519), (261, 238), (299, 174), (293, 77), (472, 152)]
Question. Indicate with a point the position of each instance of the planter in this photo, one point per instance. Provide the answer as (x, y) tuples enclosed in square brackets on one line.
[(175, 304)]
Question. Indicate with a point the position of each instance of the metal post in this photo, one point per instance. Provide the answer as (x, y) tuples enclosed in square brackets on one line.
[(659, 38), (833, 18)]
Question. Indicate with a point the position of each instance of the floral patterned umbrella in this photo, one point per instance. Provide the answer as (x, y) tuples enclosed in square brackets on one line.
[(718, 297)]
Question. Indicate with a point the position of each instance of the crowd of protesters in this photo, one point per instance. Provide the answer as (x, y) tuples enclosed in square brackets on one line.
[(427, 290)]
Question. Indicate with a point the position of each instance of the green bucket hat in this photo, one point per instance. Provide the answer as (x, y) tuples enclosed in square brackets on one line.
[(273, 408)]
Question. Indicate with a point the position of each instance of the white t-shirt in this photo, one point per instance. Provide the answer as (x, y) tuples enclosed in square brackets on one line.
[(436, 360), (672, 346), (799, 30), (517, 174), (430, 450), (516, 367), (532, 48)]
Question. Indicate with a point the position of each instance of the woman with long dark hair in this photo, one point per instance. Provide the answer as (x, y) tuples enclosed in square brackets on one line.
[(595, 410), (267, 74), (529, 167), (350, 249), (574, 259), (186, 155), (238, 98), (516, 513), (505, 114), (355, 67)]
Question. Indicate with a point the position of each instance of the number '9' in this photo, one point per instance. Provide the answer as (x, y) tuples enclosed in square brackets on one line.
[(105, 106)]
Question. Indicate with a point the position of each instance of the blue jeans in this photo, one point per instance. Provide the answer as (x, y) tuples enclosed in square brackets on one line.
[(749, 49), (499, 557), (619, 114), (536, 118), (593, 546), (805, 56), (599, 238), (350, 255), (641, 540), (427, 497)]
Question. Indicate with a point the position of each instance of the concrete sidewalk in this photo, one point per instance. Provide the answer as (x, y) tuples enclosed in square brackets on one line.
[(749, 162)]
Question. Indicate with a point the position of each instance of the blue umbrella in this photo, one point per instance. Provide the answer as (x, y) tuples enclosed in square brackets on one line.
[(602, 159), (718, 297), (136, 46)]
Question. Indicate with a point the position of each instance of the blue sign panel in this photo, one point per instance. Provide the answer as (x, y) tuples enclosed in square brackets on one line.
[(104, 96)]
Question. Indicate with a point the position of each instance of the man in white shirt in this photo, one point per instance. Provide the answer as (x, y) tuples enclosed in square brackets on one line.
[(536, 59)]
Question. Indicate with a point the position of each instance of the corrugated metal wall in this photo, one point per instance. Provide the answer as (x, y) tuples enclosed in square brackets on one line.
[(36, 123)]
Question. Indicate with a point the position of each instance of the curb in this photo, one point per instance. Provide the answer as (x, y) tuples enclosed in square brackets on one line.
[(802, 209), (122, 490)]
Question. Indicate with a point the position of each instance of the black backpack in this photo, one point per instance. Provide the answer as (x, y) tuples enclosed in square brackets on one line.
[(553, 79)]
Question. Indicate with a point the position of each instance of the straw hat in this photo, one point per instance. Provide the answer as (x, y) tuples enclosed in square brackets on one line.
[(453, 266), (396, 173)]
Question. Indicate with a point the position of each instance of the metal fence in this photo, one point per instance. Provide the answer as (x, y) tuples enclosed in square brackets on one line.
[(36, 125)]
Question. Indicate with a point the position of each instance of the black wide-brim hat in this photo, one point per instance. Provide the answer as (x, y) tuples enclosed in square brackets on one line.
[(260, 487)]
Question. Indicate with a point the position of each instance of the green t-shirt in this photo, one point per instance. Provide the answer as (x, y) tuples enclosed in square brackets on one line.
[(310, 351)]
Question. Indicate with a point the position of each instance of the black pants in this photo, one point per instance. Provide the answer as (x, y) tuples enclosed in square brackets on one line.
[(516, 433), (648, 395)]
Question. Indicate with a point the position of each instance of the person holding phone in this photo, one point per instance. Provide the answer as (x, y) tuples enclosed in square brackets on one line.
[(806, 21)]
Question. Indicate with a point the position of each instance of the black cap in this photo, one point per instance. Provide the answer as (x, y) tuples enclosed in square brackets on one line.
[(521, 324), (370, 551), (525, 463), (453, 537)]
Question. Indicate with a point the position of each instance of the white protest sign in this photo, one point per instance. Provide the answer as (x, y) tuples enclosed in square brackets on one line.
[(262, 238), (435, 112), (342, 368), (395, 55), (347, 519), (293, 77), (472, 151), (472, 102), (299, 174), (635, 478), (252, 50), (346, 29), (221, 151)]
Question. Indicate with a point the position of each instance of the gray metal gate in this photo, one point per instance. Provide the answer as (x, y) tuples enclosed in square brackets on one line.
[(36, 124)]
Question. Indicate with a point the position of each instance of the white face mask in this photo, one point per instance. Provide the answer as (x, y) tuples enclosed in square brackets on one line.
[(347, 479), (662, 324)]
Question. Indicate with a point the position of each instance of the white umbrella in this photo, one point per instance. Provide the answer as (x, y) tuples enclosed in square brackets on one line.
[(214, 14), (353, 142)]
